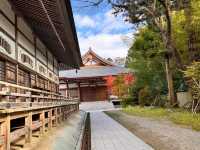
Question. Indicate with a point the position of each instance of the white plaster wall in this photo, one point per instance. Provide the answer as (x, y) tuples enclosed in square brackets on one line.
[(51, 78), (40, 64), (12, 44), (20, 52), (6, 8)]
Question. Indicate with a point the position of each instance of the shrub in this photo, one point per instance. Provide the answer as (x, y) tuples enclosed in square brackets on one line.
[(126, 101), (145, 98), (193, 73)]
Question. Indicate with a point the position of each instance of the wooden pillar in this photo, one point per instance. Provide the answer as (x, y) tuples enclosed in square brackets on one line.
[(28, 128), (6, 131), (79, 92), (2, 136), (67, 91), (50, 119), (63, 113), (56, 116), (42, 120), (59, 115), (16, 50)]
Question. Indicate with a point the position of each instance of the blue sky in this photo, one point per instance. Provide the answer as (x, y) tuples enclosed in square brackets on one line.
[(98, 28)]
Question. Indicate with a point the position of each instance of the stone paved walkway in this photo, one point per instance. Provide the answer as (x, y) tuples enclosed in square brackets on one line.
[(107, 134)]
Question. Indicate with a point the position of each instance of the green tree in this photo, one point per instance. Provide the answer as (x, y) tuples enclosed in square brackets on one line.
[(146, 58)]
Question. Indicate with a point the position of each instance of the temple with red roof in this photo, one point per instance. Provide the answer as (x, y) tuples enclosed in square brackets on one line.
[(88, 83)]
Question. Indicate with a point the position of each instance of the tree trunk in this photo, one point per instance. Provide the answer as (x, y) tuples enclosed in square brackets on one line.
[(171, 94)]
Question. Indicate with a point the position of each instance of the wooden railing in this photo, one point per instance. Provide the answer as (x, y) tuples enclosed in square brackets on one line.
[(40, 98), (15, 105)]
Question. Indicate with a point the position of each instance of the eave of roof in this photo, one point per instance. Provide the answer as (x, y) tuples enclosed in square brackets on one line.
[(102, 60), (92, 72), (52, 21)]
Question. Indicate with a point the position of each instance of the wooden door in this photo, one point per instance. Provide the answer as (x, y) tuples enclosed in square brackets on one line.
[(98, 93)]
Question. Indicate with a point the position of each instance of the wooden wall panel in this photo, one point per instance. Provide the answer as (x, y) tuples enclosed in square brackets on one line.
[(24, 78), (41, 46), (6, 8), (26, 44), (50, 60), (55, 66), (7, 26), (26, 52), (40, 56), (22, 25), (10, 72), (98, 93), (102, 93), (73, 93)]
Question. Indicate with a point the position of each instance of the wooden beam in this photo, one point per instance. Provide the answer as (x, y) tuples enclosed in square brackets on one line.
[(7, 132), (28, 126), (42, 119), (52, 25)]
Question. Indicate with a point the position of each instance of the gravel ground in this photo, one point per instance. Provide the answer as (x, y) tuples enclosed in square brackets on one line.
[(160, 134)]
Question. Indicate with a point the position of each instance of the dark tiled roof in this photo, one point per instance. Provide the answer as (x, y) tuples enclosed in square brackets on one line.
[(89, 72)]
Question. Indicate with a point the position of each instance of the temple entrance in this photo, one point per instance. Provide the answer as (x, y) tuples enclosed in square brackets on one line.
[(94, 93)]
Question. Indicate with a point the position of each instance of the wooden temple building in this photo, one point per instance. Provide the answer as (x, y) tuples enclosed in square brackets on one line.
[(37, 38), (88, 83)]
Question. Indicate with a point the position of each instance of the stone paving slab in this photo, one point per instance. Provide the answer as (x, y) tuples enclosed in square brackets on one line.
[(96, 106), (107, 134)]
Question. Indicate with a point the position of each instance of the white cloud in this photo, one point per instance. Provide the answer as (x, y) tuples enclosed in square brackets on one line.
[(84, 21), (113, 23), (105, 33), (106, 45)]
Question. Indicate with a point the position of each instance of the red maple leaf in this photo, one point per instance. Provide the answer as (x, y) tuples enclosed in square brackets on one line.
[(129, 79), (109, 81)]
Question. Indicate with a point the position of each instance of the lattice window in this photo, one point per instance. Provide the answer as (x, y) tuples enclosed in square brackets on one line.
[(26, 59), (33, 80), (10, 72), (5, 45), (42, 70), (2, 70), (24, 78)]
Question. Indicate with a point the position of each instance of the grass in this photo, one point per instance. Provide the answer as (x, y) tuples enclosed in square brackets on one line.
[(177, 116), (186, 118), (146, 111)]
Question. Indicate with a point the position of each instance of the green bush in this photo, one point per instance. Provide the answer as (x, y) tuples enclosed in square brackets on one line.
[(145, 98), (126, 101)]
